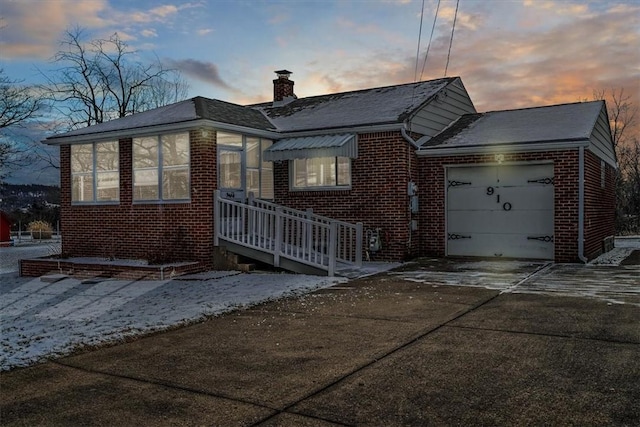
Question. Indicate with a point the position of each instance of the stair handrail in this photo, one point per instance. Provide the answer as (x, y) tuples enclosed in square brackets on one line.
[(343, 252)]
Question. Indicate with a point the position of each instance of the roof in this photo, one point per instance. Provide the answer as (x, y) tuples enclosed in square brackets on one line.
[(336, 145), (383, 105), (180, 112), (368, 107), (565, 122)]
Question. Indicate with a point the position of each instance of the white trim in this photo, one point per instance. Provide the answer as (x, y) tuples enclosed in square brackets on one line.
[(159, 129), (501, 148), (199, 123)]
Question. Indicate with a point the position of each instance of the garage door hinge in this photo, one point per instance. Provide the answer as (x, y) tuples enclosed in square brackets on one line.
[(546, 239), (546, 181), (458, 183), (453, 236)]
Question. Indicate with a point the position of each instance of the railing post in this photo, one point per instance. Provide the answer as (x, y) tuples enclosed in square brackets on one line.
[(216, 218), (333, 241), (278, 238), (359, 236)]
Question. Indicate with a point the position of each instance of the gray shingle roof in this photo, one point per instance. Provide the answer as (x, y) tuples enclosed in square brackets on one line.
[(565, 122), (181, 112), (391, 104)]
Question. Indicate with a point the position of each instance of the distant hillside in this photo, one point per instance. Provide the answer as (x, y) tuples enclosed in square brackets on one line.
[(22, 196)]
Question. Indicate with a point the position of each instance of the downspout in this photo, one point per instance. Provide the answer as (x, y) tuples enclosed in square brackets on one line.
[(581, 206), (406, 136)]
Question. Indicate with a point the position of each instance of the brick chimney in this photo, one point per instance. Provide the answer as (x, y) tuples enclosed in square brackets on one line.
[(282, 86)]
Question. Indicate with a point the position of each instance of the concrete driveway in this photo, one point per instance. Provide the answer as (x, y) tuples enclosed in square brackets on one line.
[(392, 349)]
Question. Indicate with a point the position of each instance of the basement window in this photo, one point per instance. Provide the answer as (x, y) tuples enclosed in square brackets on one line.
[(95, 174)]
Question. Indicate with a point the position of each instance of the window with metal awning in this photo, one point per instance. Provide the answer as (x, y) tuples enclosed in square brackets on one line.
[(340, 145)]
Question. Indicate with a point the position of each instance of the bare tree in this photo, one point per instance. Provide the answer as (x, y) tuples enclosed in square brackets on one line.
[(103, 79), (18, 106)]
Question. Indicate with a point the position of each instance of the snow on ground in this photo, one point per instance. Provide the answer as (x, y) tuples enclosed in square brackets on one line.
[(623, 248), (9, 256), (41, 320)]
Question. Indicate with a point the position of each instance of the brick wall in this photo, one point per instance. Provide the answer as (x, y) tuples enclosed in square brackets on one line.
[(599, 205), (378, 196), (433, 209), (179, 231)]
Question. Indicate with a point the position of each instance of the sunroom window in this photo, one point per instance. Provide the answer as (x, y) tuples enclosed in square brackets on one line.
[(161, 168), (322, 172), (95, 174)]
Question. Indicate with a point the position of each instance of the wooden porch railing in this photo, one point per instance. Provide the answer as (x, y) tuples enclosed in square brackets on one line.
[(301, 236)]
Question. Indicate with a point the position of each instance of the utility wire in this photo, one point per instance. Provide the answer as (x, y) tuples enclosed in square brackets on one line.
[(453, 28), (433, 27), (415, 73)]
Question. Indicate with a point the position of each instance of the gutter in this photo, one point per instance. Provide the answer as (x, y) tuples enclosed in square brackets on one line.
[(406, 136), (581, 206), (98, 135)]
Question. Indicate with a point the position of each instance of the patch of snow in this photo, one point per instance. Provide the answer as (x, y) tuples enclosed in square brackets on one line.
[(42, 320), (623, 248)]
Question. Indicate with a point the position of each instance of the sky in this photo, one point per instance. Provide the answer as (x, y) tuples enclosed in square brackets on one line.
[(509, 53)]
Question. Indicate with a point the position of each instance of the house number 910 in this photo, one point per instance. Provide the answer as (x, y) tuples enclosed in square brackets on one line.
[(490, 191)]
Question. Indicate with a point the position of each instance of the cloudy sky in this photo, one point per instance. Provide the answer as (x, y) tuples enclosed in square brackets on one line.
[(509, 53)]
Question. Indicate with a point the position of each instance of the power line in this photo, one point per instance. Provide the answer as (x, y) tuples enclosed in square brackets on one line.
[(415, 73), (453, 28), (433, 27)]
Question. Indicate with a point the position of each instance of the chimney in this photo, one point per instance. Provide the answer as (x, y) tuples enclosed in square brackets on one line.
[(282, 86)]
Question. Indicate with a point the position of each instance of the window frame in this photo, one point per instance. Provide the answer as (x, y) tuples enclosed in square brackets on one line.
[(160, 168), (264, 168), (94, 173), (336, 187)]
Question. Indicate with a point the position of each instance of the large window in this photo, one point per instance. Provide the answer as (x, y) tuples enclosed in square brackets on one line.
[(95, 174), (321, 172), (161, 168)]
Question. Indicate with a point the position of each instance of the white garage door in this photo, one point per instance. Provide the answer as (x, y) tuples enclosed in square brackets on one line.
[(500, 211)]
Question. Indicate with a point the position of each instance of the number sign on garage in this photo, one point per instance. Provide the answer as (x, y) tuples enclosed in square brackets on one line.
[(500, 211)]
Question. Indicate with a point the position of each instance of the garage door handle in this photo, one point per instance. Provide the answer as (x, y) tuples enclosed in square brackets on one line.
[(453, 236), (546, 239)]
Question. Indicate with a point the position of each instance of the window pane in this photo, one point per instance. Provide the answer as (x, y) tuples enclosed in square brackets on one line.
[(175, 150), (82, 158), (175, 183), (145, 152), (224, 138), (82, 187), (266, 184), (321, 172), (230, 167), (145, 184), (107, 156), (344, 171), (253, 153), (253, 182), (300, 173), (266, 173), (108, 186)]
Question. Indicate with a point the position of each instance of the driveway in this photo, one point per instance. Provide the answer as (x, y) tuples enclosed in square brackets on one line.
[(397, 348)]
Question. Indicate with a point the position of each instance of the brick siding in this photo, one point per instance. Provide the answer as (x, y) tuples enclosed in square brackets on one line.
[(599, 205), (179, 231), (378, 196)]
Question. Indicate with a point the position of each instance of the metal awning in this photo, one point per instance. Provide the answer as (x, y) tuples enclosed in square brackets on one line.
[(342, 145)]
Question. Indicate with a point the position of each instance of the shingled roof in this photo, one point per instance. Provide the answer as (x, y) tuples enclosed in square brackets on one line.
[(565, 122), (377, 106), (180, 112), (383, 105)]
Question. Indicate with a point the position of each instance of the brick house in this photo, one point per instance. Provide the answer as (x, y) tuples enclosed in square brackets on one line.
[(408, 162)]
